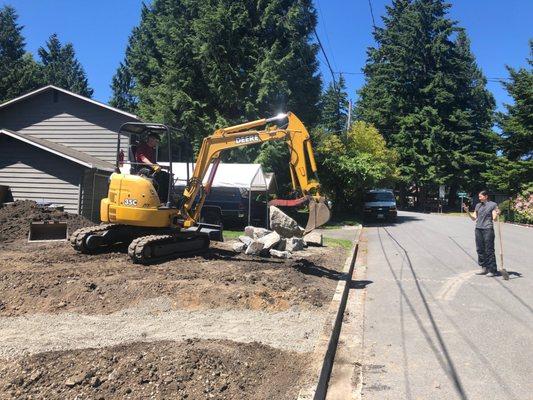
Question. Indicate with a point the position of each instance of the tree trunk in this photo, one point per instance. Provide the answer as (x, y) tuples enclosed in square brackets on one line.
[(452, 197)]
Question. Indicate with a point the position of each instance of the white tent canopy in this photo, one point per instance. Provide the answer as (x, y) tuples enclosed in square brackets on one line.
[(248, 176)]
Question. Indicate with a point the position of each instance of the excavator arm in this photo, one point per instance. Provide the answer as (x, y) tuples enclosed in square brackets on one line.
[(247, 134)]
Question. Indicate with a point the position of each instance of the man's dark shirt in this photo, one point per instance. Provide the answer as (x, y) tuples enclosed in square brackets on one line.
[(484, 214), (145, 151)]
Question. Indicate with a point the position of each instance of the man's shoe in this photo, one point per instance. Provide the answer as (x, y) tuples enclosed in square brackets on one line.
[(491, 275), (484, 271)]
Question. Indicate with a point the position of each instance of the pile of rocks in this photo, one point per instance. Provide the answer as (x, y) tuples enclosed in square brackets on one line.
[(284, 238)]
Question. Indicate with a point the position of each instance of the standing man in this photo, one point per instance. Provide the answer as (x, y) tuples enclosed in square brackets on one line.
[(484, 214)]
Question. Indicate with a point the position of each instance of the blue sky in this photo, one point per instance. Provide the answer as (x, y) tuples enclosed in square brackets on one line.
[(499, 31)]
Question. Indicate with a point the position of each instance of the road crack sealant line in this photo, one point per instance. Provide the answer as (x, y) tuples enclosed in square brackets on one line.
[(326, 348)]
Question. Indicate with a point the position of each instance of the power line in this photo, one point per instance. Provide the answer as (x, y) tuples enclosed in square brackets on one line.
[(372, 13), (325, 28), (327, 59)]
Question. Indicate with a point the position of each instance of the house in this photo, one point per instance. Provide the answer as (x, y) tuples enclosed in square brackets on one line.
[(57, 146)]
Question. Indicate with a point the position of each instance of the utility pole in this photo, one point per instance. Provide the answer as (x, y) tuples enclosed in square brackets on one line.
[(349, 119)]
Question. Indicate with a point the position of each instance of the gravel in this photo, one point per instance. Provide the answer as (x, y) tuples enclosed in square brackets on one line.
[(154, 320)]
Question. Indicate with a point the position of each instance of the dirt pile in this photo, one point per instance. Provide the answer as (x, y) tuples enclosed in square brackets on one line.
[(15, 219), (191, 369)]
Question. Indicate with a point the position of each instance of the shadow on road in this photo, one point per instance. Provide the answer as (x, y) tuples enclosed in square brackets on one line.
[(512, 273), (439, 349), (359, 284)]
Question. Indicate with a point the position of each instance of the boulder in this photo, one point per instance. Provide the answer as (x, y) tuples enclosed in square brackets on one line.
[(255, 233), (238, 247), (283, 224), (295, 244), (270, 240), (246, 240), (314, 239), (254, 248), (280, 254)]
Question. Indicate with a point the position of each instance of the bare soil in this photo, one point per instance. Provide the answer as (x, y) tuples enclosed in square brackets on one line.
[(110, 345), (192, 369), (53, 278)]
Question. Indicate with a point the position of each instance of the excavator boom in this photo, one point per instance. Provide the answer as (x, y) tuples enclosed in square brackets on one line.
[(301, 156)]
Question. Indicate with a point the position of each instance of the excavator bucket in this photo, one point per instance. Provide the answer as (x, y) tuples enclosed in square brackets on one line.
[(319, 214), (45, 231)]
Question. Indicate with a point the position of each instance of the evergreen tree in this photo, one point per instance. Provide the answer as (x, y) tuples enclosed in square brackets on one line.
[(122, 86), (334, 108), (19, 73), (513, 171), (426, 94), (517, 123), (62, 69), (202, 65)]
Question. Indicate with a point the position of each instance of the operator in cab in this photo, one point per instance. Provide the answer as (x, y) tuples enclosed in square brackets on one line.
[(145, 156)]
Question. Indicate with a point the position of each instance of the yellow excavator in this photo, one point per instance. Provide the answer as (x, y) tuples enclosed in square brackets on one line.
[(157, 229)]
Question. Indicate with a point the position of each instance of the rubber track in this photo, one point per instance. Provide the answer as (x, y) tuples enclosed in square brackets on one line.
[(137, 246), (77, 239)]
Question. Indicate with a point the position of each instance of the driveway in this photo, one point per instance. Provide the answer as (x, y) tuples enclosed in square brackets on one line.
[(435, 330)]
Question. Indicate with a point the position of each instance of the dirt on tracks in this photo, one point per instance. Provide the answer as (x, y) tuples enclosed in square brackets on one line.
[(53, 278), (193, 369)]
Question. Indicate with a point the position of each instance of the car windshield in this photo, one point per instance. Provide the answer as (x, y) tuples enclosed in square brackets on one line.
[(379, 196)]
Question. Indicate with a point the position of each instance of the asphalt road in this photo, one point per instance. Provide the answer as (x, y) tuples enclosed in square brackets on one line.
[(433, 329)]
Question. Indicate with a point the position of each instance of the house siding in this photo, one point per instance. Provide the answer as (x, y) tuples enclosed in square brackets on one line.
[(69, 121), (33, 174)]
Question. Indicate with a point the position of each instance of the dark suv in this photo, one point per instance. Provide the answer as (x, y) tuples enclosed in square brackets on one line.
[(380, 204)]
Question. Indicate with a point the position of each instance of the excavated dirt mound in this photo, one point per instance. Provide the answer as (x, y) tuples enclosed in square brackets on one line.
[(52, 277), (15, 219), (179, 370)]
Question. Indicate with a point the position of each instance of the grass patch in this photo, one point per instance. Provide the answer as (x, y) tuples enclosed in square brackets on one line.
[(232, 234), (340, 222), (344, 243)]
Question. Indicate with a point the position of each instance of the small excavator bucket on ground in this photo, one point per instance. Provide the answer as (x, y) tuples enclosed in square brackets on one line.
[(45, 231), (319, 214)]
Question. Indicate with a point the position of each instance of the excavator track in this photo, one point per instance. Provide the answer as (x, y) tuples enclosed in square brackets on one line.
[(154, 248), (80, 238)]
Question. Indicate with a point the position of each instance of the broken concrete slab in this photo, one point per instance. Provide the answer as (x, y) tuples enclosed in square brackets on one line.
[(245, 239), (280, 254), (254, 248), (295, 244), (255, 232), (270, 240), (283, 224), (238, 247), (314, 239)]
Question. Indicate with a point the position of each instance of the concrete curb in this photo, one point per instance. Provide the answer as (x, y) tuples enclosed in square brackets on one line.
[(324, 353)]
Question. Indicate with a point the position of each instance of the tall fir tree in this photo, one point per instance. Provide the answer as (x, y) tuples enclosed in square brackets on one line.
[(426, 94), (513, 170), (334, 108), (517, 122), (202, 65), (61, 67), (19, 73), (122, 86)]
